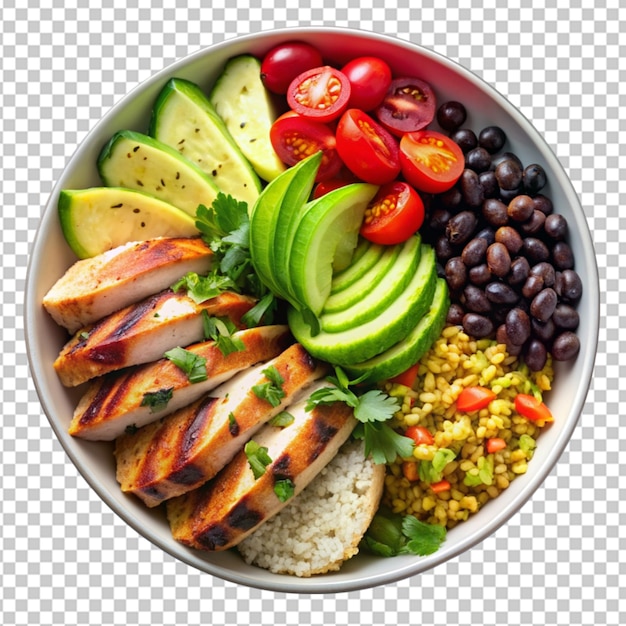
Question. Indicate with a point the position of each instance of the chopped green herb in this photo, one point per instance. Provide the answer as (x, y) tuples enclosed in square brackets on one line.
[(233, 426), (284, 418), (84, 335), (203, 288), (192, 364), (221, 330), (423, 538), (372, 409), (265, 308), (157, 400), (258, 458), (284, 489), (272, 391)]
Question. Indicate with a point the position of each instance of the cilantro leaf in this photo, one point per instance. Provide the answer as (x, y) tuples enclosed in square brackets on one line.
[(258, 458), (284, 418), (383, 442), (263, 309), (272, 390), (192, 364), (203, 288), (221, 330), (376, 406), (423, 538), (157, 400), (225, 215)]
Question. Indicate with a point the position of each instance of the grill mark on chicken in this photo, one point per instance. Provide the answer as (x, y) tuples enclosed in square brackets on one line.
[(322, 433), (281, 468), (214, 537), (243, 517), (196, 425)]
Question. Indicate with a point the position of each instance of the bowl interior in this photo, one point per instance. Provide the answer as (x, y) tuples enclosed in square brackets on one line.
[(51, 257)]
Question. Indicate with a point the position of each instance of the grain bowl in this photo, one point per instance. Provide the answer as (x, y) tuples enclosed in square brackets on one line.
[(51, 256)]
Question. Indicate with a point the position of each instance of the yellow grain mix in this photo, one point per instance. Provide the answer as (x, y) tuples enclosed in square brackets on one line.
[(459, 452)]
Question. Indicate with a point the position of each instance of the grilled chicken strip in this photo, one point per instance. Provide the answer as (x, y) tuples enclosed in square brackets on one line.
[(180, 452), (94, 288), (228, 508), (121, 400), (142, 332)]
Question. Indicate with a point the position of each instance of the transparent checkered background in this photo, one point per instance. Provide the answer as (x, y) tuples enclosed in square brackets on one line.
[(67, 559)]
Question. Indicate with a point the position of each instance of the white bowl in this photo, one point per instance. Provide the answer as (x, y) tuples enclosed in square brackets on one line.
[(51, 257)]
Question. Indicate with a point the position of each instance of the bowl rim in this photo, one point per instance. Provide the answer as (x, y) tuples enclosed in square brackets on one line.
[(414, 565)]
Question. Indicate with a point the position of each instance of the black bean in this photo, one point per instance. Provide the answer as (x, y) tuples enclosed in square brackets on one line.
[(477, 325), (495, 212), (543, 304), (474, 251), (475, 299), (570, 286), (489, 183), (471, 189), (439, 219), (451, 115), (455, 314), (443, 248), (487, 233), (465, 138), (543, 203), (451, 199), (520, 208), (492, 139), (509, 174), (480, 275), (565, 316), (508, 156), (501, 293), (517, 326), (502, 337), (556, 226), (478, 160), (498, 259), (562, 256), (534, 179), (506, 195), (546, 271), (533, 224), (455, 273), (535, 355), (535, 250), (520, 269), (510, 238), (543, 330), (565, 346), (461, 227), (532, 286)]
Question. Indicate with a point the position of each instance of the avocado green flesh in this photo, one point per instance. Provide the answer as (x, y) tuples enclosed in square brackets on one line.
[(410, 350), (325, 222), (98, 219), (381, 283), (365, 256), (364, 341), (137, 161), (241, 100), (184, 118)]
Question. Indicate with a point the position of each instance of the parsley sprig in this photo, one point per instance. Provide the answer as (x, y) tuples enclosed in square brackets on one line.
[(372, 409), (192, 364), (222, 330), (272, 390), (225, 228)]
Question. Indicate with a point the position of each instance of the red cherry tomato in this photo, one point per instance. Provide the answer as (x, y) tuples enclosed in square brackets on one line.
[(295, 137), (345, 177), (408, 105), (284, 62), (321, 93), (395, 213), (367, 149), (532, 408), (474, 399), (369, 78), (431, 161), (408, 377), (420, 435)]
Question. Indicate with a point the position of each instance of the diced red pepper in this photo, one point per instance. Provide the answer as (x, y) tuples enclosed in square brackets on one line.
[(494, 444), (474, 399), (532, 408), (420, 435), (408, 377), (442, 485)]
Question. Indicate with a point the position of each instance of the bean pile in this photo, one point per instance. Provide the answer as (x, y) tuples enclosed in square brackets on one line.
[(503, 249)]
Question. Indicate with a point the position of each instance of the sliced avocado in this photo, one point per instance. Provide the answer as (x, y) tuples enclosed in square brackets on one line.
[(366, 303), (366, 254), (241, 100), (324, 223), (184, 118), (410, 350), (353, 294), (97, 219), (137, 161), (288, 215), (364, 341)]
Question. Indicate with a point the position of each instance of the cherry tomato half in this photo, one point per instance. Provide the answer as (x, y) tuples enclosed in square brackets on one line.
[(321, 93), (343, 178), (474, 399), (431, 161), (395, 213), (369, 78), (420, 435), (408, 105), (295, 137), (284, 62), (367, 149), (533, 409)]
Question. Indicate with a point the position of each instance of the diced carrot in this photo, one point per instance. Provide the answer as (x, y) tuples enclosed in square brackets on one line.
[(409, 470), (442, 485)]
